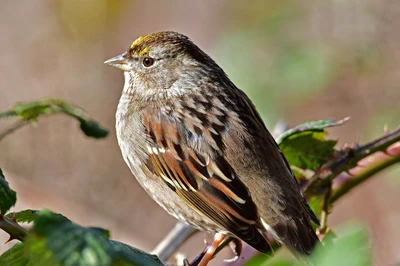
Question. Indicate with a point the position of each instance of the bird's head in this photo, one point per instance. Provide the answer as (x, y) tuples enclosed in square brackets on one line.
[(163, 65)]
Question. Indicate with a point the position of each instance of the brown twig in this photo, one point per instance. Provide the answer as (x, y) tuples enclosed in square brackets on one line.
[(12, 228), (374, 163), (349, 157), (173, 240)]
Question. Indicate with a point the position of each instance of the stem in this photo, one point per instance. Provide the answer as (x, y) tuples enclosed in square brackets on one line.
[(7, 114), (325, 210), (12, 228), (361, 177), (171, 242), (350, 158), (13, 128)]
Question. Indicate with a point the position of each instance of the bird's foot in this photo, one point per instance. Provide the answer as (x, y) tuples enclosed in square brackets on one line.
[(208, 253)]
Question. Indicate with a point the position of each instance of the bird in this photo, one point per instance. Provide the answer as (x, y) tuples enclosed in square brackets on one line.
[(197, 145)]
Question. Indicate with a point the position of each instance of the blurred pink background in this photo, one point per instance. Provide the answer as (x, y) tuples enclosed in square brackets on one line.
[(299, 60)]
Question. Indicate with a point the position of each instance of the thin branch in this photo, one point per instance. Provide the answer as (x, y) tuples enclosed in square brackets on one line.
[(14, 127), (325, 210), (349, 157), (173, 240), (31, 111), (12, 228), (353, 180), (8, 113)]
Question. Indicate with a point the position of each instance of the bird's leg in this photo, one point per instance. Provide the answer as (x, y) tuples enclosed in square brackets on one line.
[(234, 244), (207, 254), (218, 238), (196, 260)]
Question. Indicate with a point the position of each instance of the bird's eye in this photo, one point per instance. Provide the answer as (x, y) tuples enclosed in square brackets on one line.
[(148, 61)]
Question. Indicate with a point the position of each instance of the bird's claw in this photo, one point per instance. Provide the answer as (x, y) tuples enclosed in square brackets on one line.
[(236, 246)]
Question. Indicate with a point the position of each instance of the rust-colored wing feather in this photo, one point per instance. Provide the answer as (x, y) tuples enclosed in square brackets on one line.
[(189, 160)]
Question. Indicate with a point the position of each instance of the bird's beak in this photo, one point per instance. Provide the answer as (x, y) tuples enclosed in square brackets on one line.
[(120, 61)]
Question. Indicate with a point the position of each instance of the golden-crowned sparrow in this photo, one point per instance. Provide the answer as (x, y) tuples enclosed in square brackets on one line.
[(197, 145)]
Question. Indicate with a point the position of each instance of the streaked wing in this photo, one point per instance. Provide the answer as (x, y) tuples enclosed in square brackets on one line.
[(190, 161), (287, 213)]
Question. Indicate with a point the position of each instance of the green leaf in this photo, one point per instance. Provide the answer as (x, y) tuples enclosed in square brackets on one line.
[(282, 262), (265, 260), (8, 197), (305, 146), (93, 129), (258, 259), (25, 216), (32, 111), (71, 244), (55, 240), (317, 126), (132, 256), (90, 127), (351, 247), (37, 252), (15, 256), (307, 149), (329, 238)]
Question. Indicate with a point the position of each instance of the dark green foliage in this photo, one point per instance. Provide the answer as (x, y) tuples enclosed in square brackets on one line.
[(305, 146), (308, 149), (315, 203), (92, 129), (8, 197), (314, 126), (350, 247), (55, 240), (25, 216), (15, 256)]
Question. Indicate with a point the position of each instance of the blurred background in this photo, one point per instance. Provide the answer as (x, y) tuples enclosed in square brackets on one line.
[(298, 60)]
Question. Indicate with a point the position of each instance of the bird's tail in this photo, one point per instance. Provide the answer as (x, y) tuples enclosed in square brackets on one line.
[(299, 237)]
